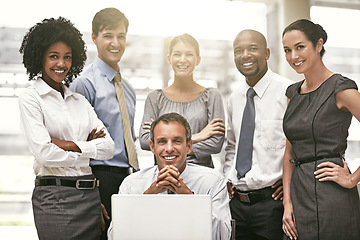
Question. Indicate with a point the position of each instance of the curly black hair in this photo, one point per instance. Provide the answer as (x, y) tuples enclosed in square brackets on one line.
[(41, 36)]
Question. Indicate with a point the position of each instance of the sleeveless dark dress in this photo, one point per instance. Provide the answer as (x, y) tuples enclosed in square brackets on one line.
[(316, 127)]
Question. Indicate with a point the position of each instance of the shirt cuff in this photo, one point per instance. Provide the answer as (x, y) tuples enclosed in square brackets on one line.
[(88, 149)]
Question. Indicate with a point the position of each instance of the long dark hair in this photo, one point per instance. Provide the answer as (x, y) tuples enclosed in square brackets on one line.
[(312, 31)]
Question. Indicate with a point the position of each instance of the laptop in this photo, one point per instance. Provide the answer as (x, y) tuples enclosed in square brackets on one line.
[(161, 216)]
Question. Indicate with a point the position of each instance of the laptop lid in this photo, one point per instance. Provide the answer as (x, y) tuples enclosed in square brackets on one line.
[(161, 216)]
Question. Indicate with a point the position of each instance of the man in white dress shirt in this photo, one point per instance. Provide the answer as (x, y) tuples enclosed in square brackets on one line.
[(170, 143), (255, 198)]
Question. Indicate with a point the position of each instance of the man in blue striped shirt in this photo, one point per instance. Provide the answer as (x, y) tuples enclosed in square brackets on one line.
[(109, 29)]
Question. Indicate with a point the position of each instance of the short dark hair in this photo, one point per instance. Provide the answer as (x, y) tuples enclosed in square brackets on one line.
[(108, 18), (186, 38), (46, 33), (172, 117), (253, 32), (312, 31)]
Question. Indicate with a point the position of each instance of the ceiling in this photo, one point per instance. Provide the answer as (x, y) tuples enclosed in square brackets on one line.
[(352, 4)]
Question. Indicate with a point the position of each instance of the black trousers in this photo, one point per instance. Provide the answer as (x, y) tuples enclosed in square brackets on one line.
[(110, 182), (258, 221)]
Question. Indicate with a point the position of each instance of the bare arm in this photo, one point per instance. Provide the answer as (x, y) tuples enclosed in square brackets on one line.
[(289, 226), (346, 100), (66, 145)]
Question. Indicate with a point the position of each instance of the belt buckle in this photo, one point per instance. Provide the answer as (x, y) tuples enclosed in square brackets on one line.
[(244, 197), (94, 181)]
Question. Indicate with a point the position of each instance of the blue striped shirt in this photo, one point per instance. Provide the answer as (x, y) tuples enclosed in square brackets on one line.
[(97, 85)]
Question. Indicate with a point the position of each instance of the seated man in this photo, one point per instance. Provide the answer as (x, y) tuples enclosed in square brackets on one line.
[(170, 143)]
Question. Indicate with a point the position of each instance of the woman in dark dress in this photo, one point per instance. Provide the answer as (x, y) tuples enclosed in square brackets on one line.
[(321, 200)]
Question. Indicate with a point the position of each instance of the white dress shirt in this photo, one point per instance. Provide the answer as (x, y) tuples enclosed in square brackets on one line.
[(200, 180), (269, 139), (45, 114)]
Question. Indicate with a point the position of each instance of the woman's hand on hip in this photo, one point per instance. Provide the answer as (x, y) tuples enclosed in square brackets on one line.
[(329, 171)]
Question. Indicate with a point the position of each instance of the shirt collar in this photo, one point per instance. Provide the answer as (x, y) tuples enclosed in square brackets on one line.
[(106, 69), (69, 93), (261, 86), (43, 88)]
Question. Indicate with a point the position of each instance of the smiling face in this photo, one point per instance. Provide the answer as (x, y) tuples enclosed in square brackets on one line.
[(170, 146), (56, 64), (251, 55), (300, 53), (183, 59), (111, 44)]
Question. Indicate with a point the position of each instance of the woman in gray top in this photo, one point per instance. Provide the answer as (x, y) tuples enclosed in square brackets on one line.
[(202, 107)]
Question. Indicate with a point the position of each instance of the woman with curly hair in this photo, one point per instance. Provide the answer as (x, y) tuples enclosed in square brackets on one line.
[(63, 133)]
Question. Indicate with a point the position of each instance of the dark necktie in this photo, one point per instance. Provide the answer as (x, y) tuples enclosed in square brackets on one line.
[(245, 147), (129, 142)]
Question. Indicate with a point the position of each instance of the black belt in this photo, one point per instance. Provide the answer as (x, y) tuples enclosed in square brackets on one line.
[(299, 161), (121, 170), (79, 183), (255, 195)]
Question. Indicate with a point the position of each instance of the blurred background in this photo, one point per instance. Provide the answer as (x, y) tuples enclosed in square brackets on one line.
[(214, 23)]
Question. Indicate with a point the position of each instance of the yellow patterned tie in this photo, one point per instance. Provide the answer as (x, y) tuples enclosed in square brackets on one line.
[(129, 143)]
